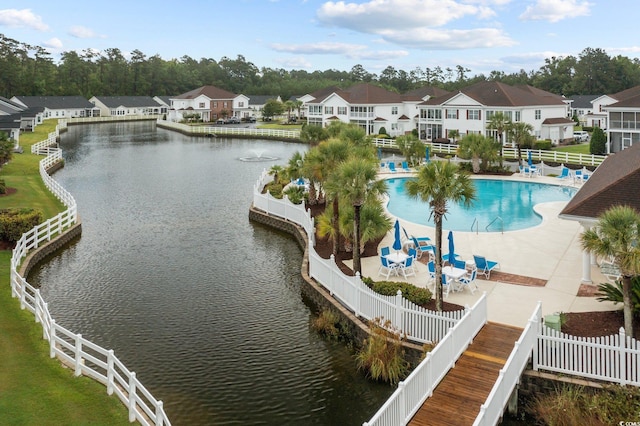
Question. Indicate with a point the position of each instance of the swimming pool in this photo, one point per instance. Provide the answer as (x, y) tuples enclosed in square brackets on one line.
[(512, 201)]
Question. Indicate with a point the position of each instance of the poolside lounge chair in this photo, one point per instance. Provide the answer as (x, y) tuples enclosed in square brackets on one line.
[(392, 167), (386, 267), (564, 174), (422, 248), (424, 241), (405, 166), (485, 266)]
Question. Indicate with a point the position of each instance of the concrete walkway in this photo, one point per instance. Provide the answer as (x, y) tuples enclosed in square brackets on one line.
[(550, 251)]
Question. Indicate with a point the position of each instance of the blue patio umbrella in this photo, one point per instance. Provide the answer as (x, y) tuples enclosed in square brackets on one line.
[(451, 247), (427, 155), (397, 242), (529, 159)]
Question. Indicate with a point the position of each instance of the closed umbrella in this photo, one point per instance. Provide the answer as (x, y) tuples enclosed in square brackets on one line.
[(379, 153), (451, 247), (529, 159), (427, 155), (397, 242)]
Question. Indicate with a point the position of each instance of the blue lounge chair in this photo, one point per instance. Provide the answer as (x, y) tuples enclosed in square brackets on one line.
[(422, 248), (564, 174), (425, 241), (405, 166), (392, 167), (485, 266)]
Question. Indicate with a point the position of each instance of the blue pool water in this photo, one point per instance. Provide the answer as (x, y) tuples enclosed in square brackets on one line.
[(512, 201)]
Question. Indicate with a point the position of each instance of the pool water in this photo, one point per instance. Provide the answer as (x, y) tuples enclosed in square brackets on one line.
[(499, 205)]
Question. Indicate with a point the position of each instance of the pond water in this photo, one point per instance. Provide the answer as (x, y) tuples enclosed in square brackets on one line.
[(202, 304)]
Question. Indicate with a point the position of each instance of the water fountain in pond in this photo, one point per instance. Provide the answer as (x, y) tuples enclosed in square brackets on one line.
[(259, 156)]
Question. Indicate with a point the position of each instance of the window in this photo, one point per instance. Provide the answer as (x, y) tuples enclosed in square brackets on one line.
[(394, 110), (215, 104), (201, 105), (342, 110), (225, 104), (452, 114), (435, 114), (328, 110), (517, 116), (394, 126), (473, 114), (538, 114), (490, 114), (315, 109), (241, 104)]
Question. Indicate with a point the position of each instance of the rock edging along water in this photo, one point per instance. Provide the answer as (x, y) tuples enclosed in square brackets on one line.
[(318, 294)]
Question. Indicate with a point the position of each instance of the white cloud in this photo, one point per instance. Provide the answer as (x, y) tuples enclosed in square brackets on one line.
[(431, 39), (79, 31), (53, 43), (376, 15), (22, 18), (556, 10), (317, 48), (297, 62), (377, 54)]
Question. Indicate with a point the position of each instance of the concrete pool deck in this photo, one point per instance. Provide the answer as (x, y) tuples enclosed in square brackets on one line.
[(550, 251)]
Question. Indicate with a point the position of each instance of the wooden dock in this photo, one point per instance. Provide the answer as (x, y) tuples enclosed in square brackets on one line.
[(458, 397)]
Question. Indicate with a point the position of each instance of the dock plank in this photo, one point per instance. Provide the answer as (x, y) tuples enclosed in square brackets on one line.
[(458, 397)]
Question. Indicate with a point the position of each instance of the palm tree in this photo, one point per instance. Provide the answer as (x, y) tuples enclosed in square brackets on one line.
[(438, 183), (289, 106), (357, 181), (453, 134), (617, 235), (275, 171), (481, 149), (500, 123)]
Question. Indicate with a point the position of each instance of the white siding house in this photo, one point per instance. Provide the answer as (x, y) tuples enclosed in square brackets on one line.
[(119, 106), (623, 117), (470, 110)]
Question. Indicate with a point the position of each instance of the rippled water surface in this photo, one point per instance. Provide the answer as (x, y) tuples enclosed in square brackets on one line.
[(202, 304)]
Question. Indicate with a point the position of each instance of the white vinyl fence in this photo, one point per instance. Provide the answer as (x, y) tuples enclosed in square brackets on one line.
[(613, 358), (509, 375), (419, 385), (84, 357), (537, 155), (419, 324), (230, 131)]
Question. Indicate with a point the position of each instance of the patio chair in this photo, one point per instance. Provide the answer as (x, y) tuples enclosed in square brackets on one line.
[(485, 266), (407, 268), (385, 251), (469, 281), (422, 248), (460, 264), (386, 267), (392, 167), (431, 266), (447, 282), (405, 166), (450, 257), (564, 174), (413, 253)]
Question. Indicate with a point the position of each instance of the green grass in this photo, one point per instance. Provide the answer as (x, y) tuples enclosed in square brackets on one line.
[(582, 148), (278, 126), (35, 389)]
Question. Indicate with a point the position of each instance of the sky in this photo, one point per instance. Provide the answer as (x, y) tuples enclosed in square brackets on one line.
[(481, 35)]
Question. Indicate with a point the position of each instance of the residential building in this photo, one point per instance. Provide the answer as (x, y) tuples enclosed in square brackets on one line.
[(581, 106), (623, 118), (613, 183), (257, 103), (210, 103), (58, 106), (369, 106), (470, 111), (120, 106)]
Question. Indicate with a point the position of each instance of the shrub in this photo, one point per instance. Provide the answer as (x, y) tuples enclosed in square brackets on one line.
[(608, 292), (295, 194), (382, 355), (382, 131), (15, 222), (419, 296), (327, 324), (542, 144), (598, 142)]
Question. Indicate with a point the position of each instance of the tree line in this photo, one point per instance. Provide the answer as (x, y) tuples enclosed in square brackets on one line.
[(31, 71)]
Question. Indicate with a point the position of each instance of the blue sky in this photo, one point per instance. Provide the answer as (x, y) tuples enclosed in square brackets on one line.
[(482, 35)]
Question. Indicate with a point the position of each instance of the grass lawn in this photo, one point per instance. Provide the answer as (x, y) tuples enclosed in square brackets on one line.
[(35, 389), (278, 126), (582, 148)]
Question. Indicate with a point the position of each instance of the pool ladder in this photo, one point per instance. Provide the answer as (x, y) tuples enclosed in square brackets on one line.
[(476, 223), (493, 221)]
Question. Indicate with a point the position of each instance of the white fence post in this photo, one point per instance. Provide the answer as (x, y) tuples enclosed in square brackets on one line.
[(78, 360), (358, 308), (52, 339), (159, 416), (132, 397), (398, 318), (110, 372), (623, 356)]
